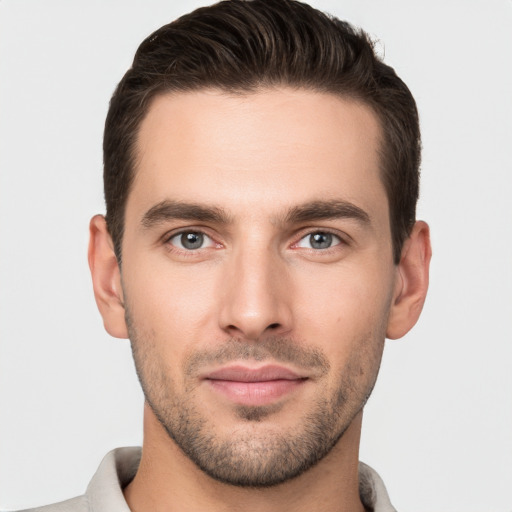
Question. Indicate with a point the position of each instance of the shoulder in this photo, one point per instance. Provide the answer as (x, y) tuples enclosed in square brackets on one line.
[(105, 491), (78, 504)]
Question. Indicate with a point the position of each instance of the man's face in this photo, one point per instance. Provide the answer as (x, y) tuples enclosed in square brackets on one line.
[(257, 275)]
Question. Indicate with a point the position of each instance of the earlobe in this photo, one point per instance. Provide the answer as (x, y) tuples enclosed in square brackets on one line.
[(106, 278), (411, 282)]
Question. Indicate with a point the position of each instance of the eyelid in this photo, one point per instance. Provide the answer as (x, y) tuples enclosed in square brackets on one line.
[(344, 239), (166, 239), (207, 241), (336, 240)]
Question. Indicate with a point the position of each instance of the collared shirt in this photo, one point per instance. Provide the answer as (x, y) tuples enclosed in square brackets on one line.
[(105, 491)]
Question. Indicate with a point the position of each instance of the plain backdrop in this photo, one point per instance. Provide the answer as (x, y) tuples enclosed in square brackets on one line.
[(438, 427)]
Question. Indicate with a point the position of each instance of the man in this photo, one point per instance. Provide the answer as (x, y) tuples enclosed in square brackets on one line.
[(260, 242)]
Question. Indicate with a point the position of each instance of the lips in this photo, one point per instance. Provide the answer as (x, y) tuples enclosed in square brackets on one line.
[(244, 374), (253, 387)]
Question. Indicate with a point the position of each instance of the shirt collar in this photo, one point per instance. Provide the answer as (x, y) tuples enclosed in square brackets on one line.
[(105, 491)]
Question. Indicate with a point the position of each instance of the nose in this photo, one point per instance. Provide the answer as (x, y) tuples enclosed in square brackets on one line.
[(256, 295)]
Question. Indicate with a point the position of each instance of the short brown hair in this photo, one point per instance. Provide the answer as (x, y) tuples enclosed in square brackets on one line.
[(243, 46)]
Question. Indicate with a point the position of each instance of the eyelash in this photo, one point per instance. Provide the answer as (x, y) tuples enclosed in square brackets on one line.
[(304, 235), (189, 252), (342, 241)]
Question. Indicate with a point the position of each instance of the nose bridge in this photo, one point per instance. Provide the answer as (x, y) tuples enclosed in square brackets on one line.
[(255, 300)]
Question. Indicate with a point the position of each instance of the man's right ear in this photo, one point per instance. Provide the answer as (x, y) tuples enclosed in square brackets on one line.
[(106, 278)]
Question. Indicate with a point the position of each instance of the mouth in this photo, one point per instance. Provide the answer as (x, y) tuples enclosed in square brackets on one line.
[(254, 386)]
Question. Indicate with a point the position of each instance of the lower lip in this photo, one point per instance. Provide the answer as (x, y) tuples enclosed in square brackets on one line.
[(255, 393)]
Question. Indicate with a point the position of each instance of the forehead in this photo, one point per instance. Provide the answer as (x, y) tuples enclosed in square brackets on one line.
[(262, 150)]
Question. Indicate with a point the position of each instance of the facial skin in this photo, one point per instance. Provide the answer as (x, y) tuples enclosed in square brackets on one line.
[(257, 283)]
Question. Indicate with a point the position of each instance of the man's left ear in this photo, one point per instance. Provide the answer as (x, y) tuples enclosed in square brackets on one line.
[(411, 282)]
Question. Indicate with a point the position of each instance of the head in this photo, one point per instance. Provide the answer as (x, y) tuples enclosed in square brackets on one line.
[(261, 175), (241, 47)]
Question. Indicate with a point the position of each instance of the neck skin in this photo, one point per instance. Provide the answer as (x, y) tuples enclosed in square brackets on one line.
[(168, 481)]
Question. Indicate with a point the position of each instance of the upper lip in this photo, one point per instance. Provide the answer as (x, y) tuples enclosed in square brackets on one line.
[(239, 373)]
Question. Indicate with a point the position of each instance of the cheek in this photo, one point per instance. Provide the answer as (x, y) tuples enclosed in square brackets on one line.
[(339, 308), (174, 302), (346, 319)]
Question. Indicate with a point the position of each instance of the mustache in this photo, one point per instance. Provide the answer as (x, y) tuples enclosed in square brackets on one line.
[(276, 349)]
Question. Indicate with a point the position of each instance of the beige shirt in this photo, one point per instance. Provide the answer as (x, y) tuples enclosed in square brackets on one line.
[(105, 491)]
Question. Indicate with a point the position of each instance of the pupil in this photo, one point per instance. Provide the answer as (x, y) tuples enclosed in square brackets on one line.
[(192, 240), (321, 240)]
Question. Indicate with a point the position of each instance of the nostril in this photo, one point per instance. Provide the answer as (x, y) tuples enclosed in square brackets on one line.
[(273, 326)]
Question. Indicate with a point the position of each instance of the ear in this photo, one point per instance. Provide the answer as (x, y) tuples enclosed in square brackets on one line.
[(411, 282), (106, 278)]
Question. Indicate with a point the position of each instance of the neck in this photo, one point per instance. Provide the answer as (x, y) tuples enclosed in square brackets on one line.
[(168, 481)]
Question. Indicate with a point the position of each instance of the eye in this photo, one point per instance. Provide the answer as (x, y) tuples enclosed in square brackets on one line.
[(319, 240), (191, 240)]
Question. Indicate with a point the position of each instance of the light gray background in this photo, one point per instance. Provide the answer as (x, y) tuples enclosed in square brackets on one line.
[(439, 425)]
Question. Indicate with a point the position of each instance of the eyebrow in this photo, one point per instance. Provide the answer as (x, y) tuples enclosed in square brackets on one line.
[(325, 210), (311, 211), (172, 210)]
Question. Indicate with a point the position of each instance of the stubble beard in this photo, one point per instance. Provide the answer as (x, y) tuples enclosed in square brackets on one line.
[(254, 457)]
